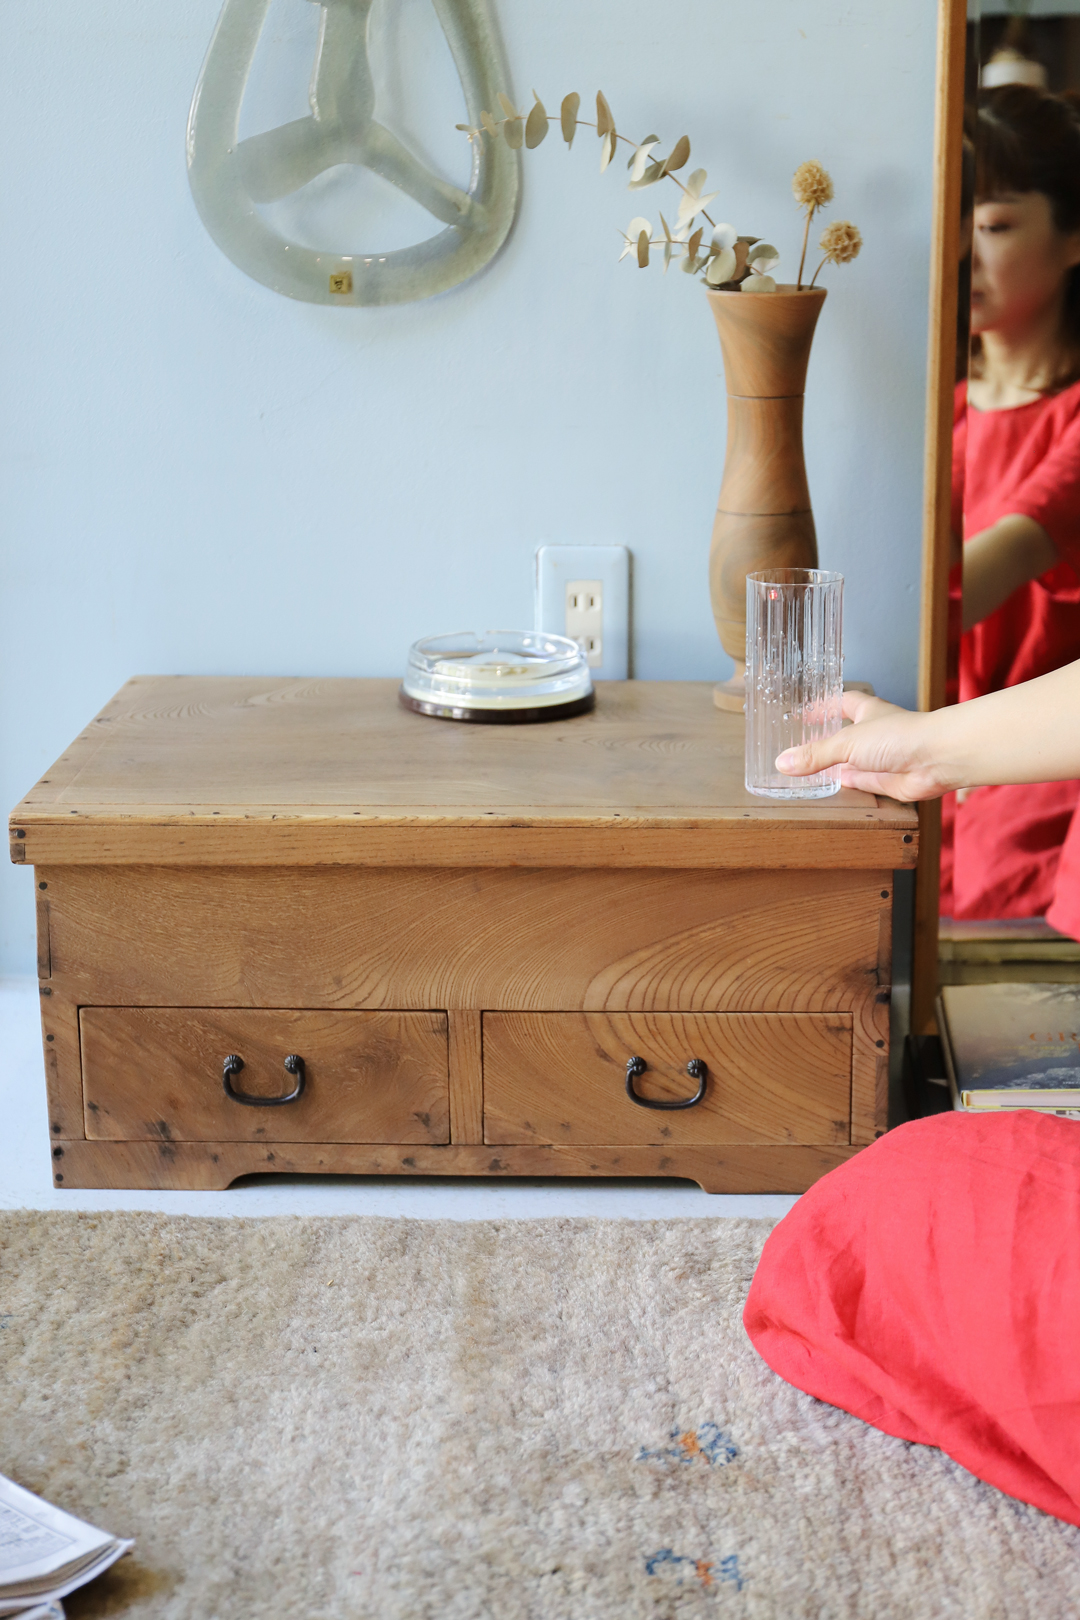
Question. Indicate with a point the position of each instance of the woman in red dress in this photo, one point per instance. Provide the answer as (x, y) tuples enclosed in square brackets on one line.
[(1014, 851)]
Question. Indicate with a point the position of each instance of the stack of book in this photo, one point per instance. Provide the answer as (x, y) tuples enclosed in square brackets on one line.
[(1012, 1046), (45, 1553)]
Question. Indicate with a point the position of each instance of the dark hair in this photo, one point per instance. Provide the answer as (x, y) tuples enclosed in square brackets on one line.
[(1029, 140)]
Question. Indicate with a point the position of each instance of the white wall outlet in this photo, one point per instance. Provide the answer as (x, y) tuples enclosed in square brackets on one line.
[(584, 592), (585, 617)]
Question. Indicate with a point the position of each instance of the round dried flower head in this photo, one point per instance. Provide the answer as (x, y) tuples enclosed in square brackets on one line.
[(812, 185), (840, 242)]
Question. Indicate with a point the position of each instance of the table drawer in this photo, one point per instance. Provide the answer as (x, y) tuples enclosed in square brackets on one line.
[(157, 1073), (506, 939), (770, 1077)]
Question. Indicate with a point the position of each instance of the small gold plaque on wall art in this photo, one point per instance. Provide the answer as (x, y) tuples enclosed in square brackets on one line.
[(341, 281)]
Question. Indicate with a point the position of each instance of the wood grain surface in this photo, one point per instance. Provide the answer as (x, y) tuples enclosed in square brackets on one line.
[(555, 940), (63, 1059), (742, 1169), (743, 543), (941, 350), (772, 1077), (155, 1073), (766, 340), (870, 1051), (235, 771), (937, 480), (466, 1077), (362, 867), (764, 469)]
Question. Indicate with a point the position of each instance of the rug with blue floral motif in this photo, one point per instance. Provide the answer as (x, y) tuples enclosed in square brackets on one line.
[(372, 1419)]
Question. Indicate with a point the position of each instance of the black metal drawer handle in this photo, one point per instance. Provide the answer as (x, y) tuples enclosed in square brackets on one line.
[(234, 1063), (696, 1069)]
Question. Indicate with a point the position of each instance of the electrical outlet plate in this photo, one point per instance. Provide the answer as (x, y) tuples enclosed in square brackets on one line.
[(585, 618), (584, 592)]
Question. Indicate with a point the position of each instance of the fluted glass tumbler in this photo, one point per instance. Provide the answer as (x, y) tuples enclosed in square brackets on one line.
[(794, 675)]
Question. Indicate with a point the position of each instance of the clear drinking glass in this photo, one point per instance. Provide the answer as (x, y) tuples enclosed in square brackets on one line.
[(794, 675)]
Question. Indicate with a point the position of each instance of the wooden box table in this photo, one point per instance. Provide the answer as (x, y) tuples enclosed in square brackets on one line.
[(287, 925)]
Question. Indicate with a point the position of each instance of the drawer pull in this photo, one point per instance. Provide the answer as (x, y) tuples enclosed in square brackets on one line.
[(696, 1069), (234, 1063)]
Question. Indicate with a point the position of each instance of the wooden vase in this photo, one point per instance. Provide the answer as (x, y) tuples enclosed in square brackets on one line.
[(763, 517)]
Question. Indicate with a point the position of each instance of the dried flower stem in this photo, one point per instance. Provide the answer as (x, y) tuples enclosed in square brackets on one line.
[(802, 259), (840, 242), (813, 188)]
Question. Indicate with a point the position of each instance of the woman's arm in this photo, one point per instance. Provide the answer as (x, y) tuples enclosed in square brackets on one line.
[(1027, 733), (999, 560)]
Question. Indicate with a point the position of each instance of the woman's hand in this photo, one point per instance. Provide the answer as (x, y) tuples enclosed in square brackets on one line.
[(888, 750), (1025, 733)]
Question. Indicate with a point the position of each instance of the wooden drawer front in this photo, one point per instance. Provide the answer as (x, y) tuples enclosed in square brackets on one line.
[(561, 1077), (619, 941), (156, 1072)]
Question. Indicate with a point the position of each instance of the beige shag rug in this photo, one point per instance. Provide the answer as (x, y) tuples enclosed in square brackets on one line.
[(358, 1419)]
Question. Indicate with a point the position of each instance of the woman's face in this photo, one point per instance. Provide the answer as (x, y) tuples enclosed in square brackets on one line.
[(1019, 262)]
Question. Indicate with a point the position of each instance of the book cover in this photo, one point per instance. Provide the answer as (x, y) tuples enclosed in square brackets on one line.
[(1013, 1045)]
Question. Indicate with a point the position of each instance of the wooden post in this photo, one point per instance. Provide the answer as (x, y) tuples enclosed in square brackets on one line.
[(937, 488)]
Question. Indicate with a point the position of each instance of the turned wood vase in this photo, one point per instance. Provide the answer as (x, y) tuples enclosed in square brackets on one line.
[(763, 517)]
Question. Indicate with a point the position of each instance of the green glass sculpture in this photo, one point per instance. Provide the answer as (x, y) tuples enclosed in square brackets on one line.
[(230, 177)]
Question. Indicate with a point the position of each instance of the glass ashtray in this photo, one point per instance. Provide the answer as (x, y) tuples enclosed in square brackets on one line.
[(504, 677)]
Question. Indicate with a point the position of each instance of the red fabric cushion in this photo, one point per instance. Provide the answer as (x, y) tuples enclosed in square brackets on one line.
[(931, 1286)]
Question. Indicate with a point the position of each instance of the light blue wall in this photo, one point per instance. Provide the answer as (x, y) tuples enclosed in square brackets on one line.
[(202, 476)]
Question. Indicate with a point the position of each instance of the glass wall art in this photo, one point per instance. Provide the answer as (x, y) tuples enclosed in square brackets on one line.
[(233, 179)]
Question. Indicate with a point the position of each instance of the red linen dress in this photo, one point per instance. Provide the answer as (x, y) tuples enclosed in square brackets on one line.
[(1015, 851), (931, 1286)]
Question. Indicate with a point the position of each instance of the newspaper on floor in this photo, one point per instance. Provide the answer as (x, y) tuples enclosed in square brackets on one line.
[(46, 1553)]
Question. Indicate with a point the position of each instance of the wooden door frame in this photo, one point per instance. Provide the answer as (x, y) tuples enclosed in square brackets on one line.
[(937, 487)]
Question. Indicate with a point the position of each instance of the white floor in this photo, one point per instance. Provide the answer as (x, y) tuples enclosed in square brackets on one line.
[(26, 1168)]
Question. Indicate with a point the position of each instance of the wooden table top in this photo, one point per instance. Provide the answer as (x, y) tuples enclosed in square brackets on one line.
[(238, 770)]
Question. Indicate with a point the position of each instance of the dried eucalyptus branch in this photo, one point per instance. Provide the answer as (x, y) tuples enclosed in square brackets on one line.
[(729, 261)]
